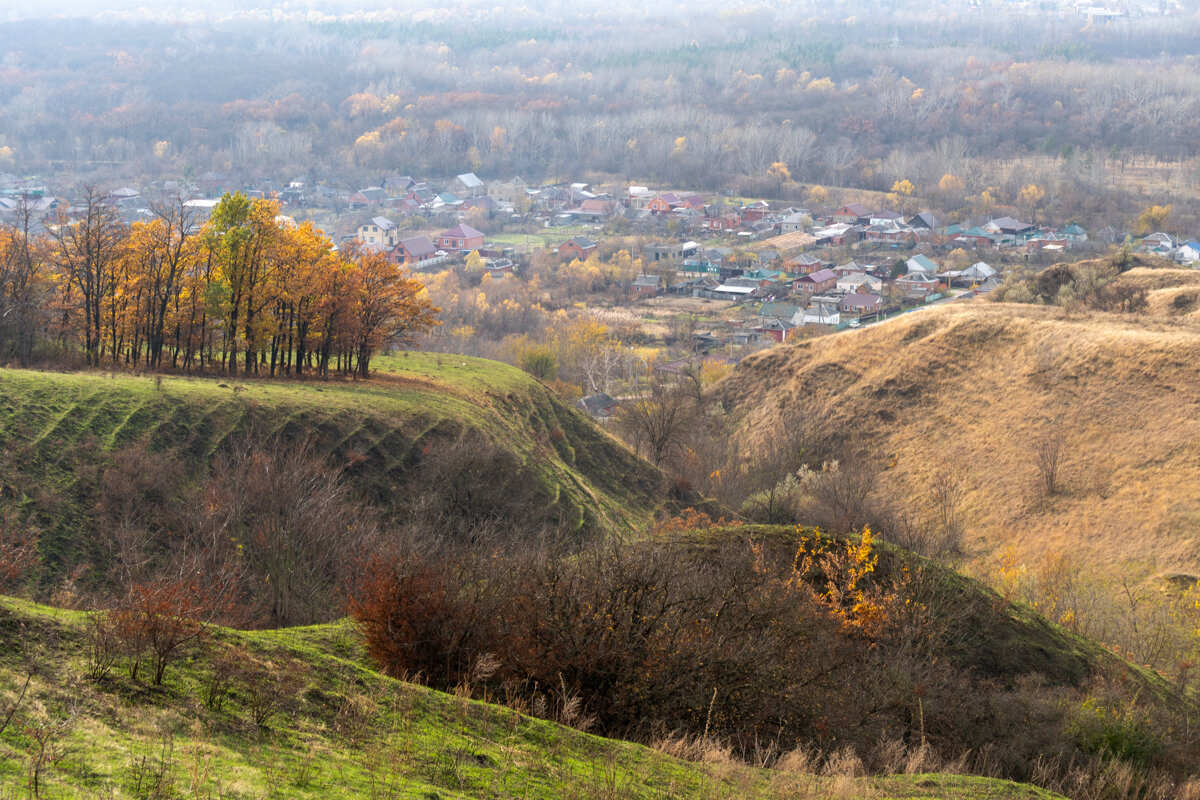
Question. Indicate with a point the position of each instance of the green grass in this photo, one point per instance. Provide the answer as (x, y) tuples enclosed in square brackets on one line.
[(544, 239), (352, 733), (58, 431)]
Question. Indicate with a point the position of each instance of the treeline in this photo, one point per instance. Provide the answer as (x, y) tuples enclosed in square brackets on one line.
[(248, 290)]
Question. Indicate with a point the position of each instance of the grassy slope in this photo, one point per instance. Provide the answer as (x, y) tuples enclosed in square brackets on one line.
[(409, 741), (57, 430), (972, 386)]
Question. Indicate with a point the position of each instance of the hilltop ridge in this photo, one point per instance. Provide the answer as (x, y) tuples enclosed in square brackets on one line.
[(975, 388)]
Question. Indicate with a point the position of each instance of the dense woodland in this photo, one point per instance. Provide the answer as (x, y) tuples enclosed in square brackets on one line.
[(996, 98)]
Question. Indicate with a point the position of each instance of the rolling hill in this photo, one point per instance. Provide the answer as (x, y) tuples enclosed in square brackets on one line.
[(972, 390), (60, 431), (341, 731)]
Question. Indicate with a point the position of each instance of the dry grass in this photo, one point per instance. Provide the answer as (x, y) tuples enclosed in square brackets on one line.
[(978, 384)]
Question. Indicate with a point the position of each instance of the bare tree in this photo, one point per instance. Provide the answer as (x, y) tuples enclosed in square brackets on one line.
[(86, 253), (1046, 455)]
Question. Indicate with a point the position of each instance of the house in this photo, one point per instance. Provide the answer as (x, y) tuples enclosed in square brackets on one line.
[(1075, 233), (460, 237), (794, 222), (648, 285), (973, 276), (859, 281), (887, 219), (414, 250), (822, 312), (1160, 243), (850, 268), (860, 305), (757, 211), (973, 238), (513, 192), (705, 262), (820, 281), (891, 236), (499, 267), (918, 285), (398, 185), (669, 252), (468, 185), (600, 405), (852, 214), (803, 264), (124, 193), (579, 247), (1188, 253), (1009, 227), (668, 202), (380, 230), (924, 220), (722, 223), (777, 329), (595, 208), (920, 263), (785, 311), (482, 204), (371, 196)]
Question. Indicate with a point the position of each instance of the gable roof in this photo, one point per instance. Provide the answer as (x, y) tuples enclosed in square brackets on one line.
[(920, 263), (417, 246), (820, 276), (856, 209), (923, 219), (470, 181), (654, 281), (861, 300), (383, 223)]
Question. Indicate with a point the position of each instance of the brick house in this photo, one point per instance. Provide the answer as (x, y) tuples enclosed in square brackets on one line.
[(460, 237), (580, 247)]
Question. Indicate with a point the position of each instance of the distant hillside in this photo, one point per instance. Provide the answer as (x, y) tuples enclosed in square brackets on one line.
[(424, 422), (974, 388), (338, 729)]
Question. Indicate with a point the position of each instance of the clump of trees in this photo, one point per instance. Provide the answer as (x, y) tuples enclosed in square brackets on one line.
[(248, 291)]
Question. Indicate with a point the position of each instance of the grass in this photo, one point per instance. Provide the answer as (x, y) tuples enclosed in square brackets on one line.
[(59, 430), (544, 239), (969, 390), (352, 733)]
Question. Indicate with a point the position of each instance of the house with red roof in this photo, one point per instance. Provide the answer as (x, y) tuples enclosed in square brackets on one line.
[(460, 237)]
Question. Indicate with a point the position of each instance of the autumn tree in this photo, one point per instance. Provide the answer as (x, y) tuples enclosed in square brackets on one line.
[(1153, 218), (391, 308)]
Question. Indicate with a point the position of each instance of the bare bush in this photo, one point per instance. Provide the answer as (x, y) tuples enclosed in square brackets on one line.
[(1047, 455), (282, 527)]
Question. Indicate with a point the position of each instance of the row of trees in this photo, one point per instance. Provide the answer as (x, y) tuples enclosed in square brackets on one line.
[(248, 289)]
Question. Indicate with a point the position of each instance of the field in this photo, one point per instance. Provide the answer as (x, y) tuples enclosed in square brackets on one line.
[(971, 392), (544, 239), (343, 732), (59, 431)]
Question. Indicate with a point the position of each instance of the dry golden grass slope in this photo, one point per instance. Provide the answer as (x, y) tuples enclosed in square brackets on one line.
[(973, 386)]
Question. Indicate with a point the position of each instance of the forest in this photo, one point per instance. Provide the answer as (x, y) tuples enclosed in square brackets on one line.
[(997, 98)]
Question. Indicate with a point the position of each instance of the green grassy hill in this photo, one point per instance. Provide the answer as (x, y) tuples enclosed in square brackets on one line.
[(58, 432), (348, 733)]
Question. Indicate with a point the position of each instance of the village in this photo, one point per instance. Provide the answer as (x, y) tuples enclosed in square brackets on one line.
[(711, 278)]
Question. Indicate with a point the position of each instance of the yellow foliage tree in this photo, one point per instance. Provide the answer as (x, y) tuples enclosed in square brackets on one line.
[(1153, 218)]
